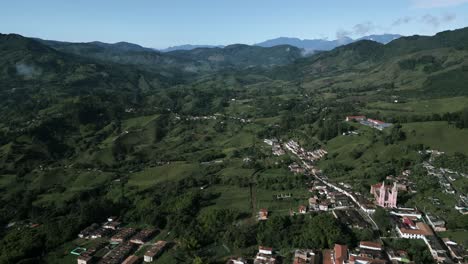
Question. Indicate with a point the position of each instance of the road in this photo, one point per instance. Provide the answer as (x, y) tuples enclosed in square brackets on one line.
[(312, 170)]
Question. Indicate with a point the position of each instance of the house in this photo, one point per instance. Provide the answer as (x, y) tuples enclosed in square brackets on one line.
[(132, 259), (357, 259), (100, 232), (422, 230), (264, 256), (263, 214), (340, 254), (313, 204), (123, 234), (302, 209), (324, 205), (118, 254), (155, 251), (369, 252), (370, 245), (142, 236), (113, 225), (86, 233), (437, 224), (355, 118), (380, 125), (409, 212), (265, 250), (399, 255), (237, 261), (85, 259), (305, 256)]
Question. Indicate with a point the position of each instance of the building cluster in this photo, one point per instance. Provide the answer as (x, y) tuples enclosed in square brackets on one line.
[(325, 198), (122, 243), (265, 255), (352, 218), (296, 168), (276, 146), (436, 223), (303, 154), (457, 252), (94, 231), (374, 123), (305, 256), (155, 251), (195, 118), (440, 174), (410, 224), (445, 178), (213, 117), (403, 182), (118, 254), (368, 252)]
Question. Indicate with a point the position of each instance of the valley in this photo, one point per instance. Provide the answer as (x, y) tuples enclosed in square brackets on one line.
[(175, 142)]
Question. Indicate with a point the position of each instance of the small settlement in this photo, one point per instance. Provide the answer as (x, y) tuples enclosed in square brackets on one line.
[(356, 210), (121, 246), (374, 123)]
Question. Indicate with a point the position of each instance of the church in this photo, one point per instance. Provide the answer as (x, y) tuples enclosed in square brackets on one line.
[(385, 196)]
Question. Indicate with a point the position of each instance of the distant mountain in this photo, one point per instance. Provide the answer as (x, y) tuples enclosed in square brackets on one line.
[(202, 59), (427, 65), (240, 56), (311, 45), (384, 39), (189, 47)]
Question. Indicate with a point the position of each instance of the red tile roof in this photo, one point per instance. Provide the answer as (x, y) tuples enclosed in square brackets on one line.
[(341, 253), (327, 254), (376, 121), (370, 244)]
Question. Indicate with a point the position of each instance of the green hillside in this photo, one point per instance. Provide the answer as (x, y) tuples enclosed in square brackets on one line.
[(174, 140)]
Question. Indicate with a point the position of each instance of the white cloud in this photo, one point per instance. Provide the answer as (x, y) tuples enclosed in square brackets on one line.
[(428, 19), (364, 28), (403, 21), (436, 3)]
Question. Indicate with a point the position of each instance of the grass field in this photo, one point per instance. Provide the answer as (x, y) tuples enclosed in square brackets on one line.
[(137, 122), (239, 198), (153, 175), (433, 106), (437, 135)]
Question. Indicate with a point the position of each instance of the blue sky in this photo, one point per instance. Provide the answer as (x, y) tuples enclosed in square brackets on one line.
[(163, 23)]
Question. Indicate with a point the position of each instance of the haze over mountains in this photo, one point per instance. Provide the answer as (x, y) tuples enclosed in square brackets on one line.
[(308, 45)]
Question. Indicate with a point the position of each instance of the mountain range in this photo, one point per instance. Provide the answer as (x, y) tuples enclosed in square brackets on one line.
[(309, 45), (201, 59)]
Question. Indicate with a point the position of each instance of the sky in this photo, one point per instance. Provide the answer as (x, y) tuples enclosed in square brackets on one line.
[(164, 23)]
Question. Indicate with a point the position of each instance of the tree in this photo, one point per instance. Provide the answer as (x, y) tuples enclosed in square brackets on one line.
[(382, 219)]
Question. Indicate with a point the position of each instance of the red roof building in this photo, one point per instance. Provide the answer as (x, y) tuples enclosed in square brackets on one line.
[(357, 118), (340, 253)]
